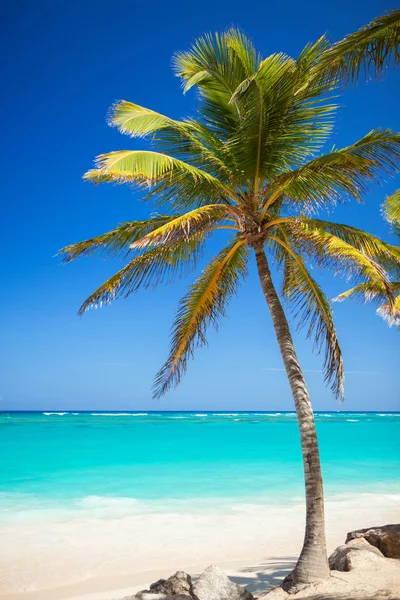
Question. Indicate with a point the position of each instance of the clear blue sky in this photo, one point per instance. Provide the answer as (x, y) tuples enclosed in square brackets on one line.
[(64, 64)]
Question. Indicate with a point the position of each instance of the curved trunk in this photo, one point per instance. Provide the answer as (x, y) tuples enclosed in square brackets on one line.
[(313, 563)]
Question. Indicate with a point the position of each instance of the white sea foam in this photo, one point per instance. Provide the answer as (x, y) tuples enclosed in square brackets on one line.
[(119, 414), (200, 415), (107, 502), (352, 420), (61, 414), (225, 414)]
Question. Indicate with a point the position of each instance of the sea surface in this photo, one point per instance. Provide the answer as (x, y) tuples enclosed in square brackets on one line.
[(61, 466)]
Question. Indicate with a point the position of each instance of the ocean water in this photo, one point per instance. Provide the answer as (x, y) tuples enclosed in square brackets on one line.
[(60, 466)]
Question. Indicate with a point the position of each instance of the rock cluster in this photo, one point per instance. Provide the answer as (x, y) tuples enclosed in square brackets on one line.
[(368, 556), (179, 585), (355, 554), (386, 538), (213, 584)]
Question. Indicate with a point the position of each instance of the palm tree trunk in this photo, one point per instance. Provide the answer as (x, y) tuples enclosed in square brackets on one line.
[(313, 563)]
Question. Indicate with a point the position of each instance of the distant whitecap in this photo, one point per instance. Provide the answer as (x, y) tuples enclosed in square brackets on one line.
[(119, 414)]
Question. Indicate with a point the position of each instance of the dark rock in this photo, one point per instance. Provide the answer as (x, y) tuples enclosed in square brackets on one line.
[(385, 538), (180, 583), (355, 554), (178, 587), (214, 584)]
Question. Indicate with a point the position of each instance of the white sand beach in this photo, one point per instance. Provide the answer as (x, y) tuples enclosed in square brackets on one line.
[(106, 559)]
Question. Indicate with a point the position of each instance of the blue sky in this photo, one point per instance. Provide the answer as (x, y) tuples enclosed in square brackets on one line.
[(66, 63)]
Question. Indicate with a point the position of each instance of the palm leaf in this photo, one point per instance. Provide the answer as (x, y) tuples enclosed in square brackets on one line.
[(138, 121), (392, 211), (369, 50), (155, 266), (278, 129), (330, 251), (116, 241), (344, 172), (144, 166), (373, 291), (387, 255), (217, 63), (183, 226), (185, 139), (390, 312), (311, 307), (148, 169), (368, 291), (204, 304), (308, 85)]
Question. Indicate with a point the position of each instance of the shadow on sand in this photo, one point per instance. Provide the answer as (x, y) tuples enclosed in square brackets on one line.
[(263, 577)]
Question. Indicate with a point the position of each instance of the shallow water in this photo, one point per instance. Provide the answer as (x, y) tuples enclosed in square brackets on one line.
[(67, 465)]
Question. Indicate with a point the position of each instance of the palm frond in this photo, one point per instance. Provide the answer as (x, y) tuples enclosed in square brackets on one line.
[(143, 166), (114, 242), (373, 291), (147, 168), (387, 255), (308, 85), (332, 252), (391, 209), (183, 139), (204, 304), (312, 308), (368, 291), (368, 51), (183, 226), (138, 121), (390, 312), (217, 63), (155, 266), (278, 129), (344, 172)]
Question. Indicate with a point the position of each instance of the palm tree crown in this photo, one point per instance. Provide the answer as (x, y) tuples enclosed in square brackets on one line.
[(250, 163)]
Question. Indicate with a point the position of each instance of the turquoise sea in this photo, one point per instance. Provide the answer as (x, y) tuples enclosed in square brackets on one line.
[(65, 464)]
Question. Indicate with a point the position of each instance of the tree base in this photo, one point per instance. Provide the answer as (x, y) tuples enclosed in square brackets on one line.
[(292, 584)]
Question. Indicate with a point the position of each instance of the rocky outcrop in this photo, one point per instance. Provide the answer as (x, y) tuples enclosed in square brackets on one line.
[(214, 584), (385, 538), (357, 553)]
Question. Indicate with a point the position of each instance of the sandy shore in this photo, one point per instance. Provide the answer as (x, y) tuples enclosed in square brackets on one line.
[(105, 559)]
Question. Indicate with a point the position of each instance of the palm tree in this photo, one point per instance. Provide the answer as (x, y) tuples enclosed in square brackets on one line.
[(371, 290), (249, 165)]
